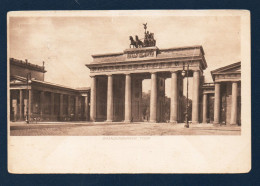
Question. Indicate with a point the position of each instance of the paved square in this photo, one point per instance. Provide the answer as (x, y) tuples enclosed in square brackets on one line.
[(118, 129)]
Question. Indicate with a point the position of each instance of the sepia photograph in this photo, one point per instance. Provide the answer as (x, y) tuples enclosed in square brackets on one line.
[(129, 77)]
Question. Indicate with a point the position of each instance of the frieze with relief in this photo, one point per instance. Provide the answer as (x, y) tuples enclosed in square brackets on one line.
[(143, 66)]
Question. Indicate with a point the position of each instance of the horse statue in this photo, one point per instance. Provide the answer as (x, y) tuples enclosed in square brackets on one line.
[(133, 42), (139, 43)]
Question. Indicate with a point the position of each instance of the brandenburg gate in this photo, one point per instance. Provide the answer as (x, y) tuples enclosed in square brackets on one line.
[(116, 87)]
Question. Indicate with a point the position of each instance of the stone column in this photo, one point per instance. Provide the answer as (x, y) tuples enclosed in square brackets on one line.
[(52, 106), (69, 109), (109, 98), (93, 97), (174, 97), (153, 99), (233, 120), (76, 107), (217, 103), (21, 105), (195, 97), (205, 106), (86, 107), (30, 103), (61, 106), (128, 111), (42, 104)]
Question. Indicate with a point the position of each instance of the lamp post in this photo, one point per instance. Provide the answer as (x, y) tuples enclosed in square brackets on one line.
[(28, 78), (183, 73)]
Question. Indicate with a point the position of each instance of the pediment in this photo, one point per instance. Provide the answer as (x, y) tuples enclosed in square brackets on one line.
[(233, 68), (17, 80)]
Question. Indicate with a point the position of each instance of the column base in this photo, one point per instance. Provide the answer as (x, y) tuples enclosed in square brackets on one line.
[(109, 120), (194, 122), (173, 122), (127, 121), (152, 121)]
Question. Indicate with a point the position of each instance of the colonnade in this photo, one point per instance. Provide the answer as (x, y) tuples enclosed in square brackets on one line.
[(153, 97), (26, 103), (217, 104)]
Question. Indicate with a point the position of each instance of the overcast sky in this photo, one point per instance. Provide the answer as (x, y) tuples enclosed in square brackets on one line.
[(67, 43)]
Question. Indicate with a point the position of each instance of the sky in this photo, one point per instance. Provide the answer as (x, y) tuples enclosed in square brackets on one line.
[(66, 44)]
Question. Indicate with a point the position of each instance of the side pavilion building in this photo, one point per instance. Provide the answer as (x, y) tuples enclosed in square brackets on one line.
[(33, 98), (116, 89)]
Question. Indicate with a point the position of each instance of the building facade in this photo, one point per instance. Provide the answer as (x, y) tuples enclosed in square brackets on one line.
[(33, 98), (116, 88), (222, 99)]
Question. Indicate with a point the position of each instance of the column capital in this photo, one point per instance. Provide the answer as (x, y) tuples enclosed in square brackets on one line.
[(127, 73), (153, 72), (173, 71), (92, 76), (109, 74)]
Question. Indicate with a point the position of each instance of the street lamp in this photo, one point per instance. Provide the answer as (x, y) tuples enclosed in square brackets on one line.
[(183, 73), (28, 80)]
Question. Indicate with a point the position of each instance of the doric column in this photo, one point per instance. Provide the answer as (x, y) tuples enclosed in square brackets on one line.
[(86, 107), (233, 120), (195, 97), (205, 106), (109, 98), (93, 97), (61, 106), (128, 112), (174, 97), (69, 109), (21, 105), (30, 96), (217, 103), (42, 103), (52, 105), (76, 107), (153, 99)]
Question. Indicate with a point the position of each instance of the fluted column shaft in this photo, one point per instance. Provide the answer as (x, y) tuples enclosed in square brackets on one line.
[(174, 98), (52, 105), (93, 97), (153, 99), (205, 106), (86, 107), (21, 105), (76, 107), (217, 103), (128, 112), (233, 119), (61, 106), (109, 98), (195, 97)]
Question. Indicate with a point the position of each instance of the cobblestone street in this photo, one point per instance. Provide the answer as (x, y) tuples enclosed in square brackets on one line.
[(118, 129)]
